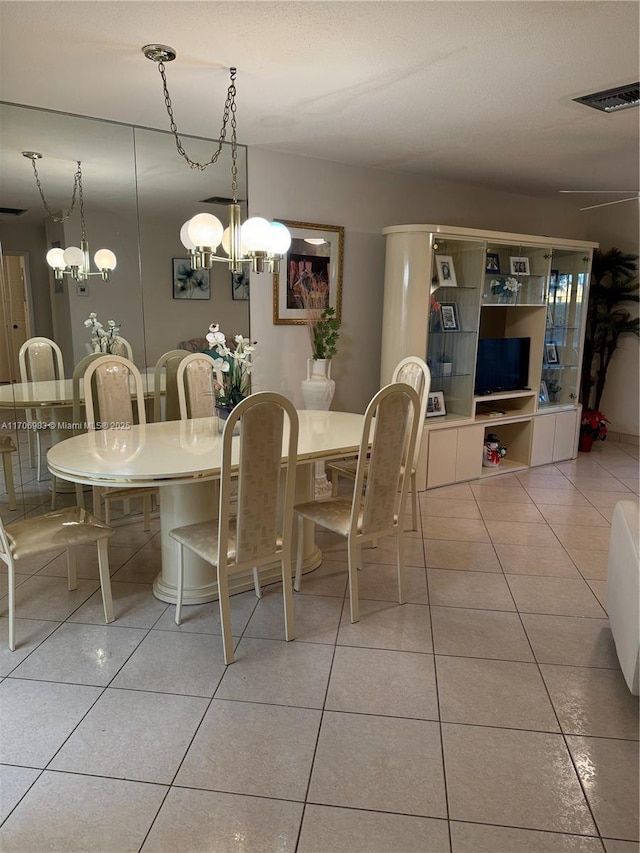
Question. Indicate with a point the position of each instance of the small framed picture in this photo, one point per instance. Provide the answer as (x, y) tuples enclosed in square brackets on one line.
[(551, 354), (446, 272), (493, 262), (435, 404), (240, 285), (553, 280), (543, 396), (519, 266), (449, 320), (189, 283)]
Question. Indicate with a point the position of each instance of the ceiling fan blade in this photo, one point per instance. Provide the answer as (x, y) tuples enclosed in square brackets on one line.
[(607, 203)]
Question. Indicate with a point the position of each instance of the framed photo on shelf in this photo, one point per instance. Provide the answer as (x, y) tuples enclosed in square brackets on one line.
[(543, 396), (449, 320), (551, 354), (189, 283), (446, 272), (435, 404), (519, 266), (311, 267), (240, 285), (493, 263)]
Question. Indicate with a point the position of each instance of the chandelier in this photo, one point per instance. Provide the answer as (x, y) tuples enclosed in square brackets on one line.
[(73, 261), (256, 241)]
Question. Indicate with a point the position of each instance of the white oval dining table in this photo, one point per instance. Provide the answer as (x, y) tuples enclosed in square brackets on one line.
[(182, 458)]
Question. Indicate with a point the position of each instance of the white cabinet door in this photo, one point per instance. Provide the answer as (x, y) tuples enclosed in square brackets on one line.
[(564, 444), (469, 455), (542, 448), (442, 457)]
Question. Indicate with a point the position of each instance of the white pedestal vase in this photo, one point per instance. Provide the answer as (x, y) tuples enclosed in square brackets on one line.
[(317, 393)]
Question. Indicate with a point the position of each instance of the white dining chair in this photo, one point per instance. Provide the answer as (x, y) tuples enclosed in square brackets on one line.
[(377, 505), (196, 379), (66, 529), (39, 360), (261, 531), (165, 386), (413, 371), (108, 402)]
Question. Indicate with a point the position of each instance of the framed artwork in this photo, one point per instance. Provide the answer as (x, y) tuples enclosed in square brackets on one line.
[(435, 404), (449, 320), (189, 283), (493, 263), (519, 266), (240, 285), (543, 396), (313, 265), (553, 280), (446, 272), (551, 354)]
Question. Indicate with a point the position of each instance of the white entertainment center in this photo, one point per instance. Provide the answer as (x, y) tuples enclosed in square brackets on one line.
[(447, 289)]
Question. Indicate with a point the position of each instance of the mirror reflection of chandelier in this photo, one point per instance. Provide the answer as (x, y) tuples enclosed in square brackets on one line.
[(73, 261), (256, 241)]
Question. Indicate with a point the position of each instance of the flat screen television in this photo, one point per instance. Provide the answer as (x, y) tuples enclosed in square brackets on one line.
[(502, 365)]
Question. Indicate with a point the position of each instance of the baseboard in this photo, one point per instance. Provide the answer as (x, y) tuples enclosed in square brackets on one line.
[(623, 438)]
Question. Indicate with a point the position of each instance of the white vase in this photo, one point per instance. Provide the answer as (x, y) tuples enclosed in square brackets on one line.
[(318, 388)]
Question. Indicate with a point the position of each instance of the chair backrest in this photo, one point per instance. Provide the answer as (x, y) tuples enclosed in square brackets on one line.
[(40, 359), (382, 480), (265, 493), (167, 366), (76, 379), (196, 380), (124, 348), (415, 372), (112, 403)]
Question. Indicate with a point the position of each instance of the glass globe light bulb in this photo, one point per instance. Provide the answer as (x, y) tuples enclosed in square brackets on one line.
[(55, 259), (104, 259), (184, 237), (226, 242), (73, 256), (280, 238), (205, 230), (256, 234)]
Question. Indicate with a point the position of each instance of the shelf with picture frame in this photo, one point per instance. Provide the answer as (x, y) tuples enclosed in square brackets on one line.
[(428, 266)]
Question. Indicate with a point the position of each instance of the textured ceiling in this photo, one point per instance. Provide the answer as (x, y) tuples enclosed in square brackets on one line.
[(479, 92)]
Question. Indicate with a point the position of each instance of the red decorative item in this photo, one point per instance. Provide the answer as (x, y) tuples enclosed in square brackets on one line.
[(592, 428), (585, 444)]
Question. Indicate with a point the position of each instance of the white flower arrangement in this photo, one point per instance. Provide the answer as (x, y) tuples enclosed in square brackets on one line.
[(103, 340), (234, 365), (505, 287)]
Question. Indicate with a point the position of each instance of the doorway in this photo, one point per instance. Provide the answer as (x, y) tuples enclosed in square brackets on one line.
[(15, 313)]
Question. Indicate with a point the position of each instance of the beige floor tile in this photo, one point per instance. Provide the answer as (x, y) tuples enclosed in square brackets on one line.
[(131, 734), (167, 662), (386, 683), (208, 820), (601, 499), (606, 766), (499, 481), (493, 693), (4, 583), (37, 718), (457, 529), (14, 784), (272, 758), (568, 495), (88, 562), (279, 673), (379, 763), (571, 640), (603, 483), (205, 618), (484, 590), (614, 846), (449, 507), (457, 492), (536, 560), (385, 552), (41, 597), (33, 565), (607, 513), (380, 582), (573, 536), (520, 533), (479, 838), (330, 578), (557, 596), (502, 494), (479, 633), (494, 511), (485, 782), (29, 634), (133, 536), (592, 564), (469, 556), (632, 484), (143, 567), (591, 701), (134, 606), (316, 618), (600, 591), (546, 476), (383, 625), (326, 829), (580, 516), (47, 817)]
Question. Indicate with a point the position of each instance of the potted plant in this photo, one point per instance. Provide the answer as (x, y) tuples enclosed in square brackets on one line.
[(443, 364), (592, 428), (234, 366), (613, 282)]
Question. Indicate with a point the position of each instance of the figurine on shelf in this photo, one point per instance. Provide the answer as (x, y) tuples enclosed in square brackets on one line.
[(493, 452)]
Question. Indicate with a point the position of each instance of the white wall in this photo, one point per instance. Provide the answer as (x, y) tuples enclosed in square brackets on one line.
[(617, 226), (365, 201)]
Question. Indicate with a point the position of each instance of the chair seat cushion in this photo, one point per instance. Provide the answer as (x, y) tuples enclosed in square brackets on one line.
[(202, 539), (60, 529), (334, 514)]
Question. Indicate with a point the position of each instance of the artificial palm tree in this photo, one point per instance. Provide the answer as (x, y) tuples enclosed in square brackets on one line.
[(613, 282)]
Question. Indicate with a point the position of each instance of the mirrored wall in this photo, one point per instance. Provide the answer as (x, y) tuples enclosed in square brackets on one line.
[(137, 193)]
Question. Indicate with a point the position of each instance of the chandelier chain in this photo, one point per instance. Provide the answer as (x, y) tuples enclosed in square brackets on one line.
[(77, 185), (228, 112)]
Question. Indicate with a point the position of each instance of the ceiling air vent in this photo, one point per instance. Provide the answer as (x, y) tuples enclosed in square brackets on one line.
[(613, 100), (11, 211)]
